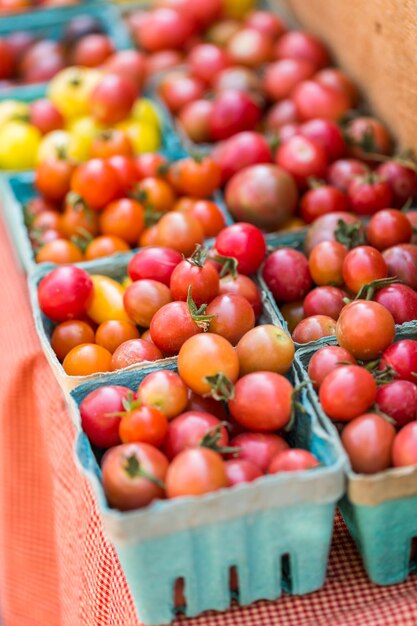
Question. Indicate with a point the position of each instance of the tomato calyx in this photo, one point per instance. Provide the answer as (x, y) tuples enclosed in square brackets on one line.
[(385, 416), (199, 256), (366, 143), (221, 387), (75, 201), (349, 235), (152, 217), (82, 239), (134, 469), (229, 265), (198, 314), (367, 291), (382, 376), (129, 403), (211, 441)]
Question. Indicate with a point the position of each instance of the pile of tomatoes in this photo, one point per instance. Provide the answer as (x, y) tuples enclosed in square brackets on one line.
[(171, 438), (14, 6), (116, 202), (346, 260), (105, 325), (374, 402)]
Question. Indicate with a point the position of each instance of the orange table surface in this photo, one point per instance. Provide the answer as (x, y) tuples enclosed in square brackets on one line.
[(57, 567)]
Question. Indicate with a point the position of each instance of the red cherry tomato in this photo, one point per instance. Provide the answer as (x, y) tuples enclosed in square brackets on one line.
[(325, 361), (233, 317), (250, 48), (282, 76), (126, 171), (302, 158), (401, 179), (145, 424), (387, 228), (294, 460), (326, 263), (241, 471), (398, 400), (400, 300), (347, 392), (172, 325), (134, 351), (300, 45), (369, 194), (244, 286), (155, 263), (367, 134), (97, 183), (314, 100), (324, 301), (97, 411), (313, 328), (322, 200), (363, 265), (401, 262), (233, 112), (133, 475), (258, 448), (164, 390), (262, 401), (240, 151), (404, 449), (143, 298), (245, 243), (328, 134), (201, 276), (207, 60), (286, 273), (92, 50), (368, 441), (112, 99), (266, 23), (195, 471), (365, 329), (179, 89), (402, 357), (342, 172), (65, 293), (193, 429)]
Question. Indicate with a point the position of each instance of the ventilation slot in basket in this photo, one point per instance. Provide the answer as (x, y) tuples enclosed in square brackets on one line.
[(234, 583), (286, 579), (180, 601), (413, 554)]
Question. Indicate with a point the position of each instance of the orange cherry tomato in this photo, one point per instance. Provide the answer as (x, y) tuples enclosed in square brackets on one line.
[(209, 215), (265, 348), (156, 194), (326, 263), (111, 142), (149, 237), (196, 177), (143, 298), (146, 424), (205, 355), (195, 471), (53, 178), (362, 265), (180, 231), (184, 204), (59, 251), (69, 334), (151, 164), (112, 333), (123, 218), (165, 390), (106, 245), (77, 220), (365, 329), (87, 358)]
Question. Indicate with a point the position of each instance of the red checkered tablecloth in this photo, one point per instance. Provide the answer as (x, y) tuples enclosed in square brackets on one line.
[(57, 567)]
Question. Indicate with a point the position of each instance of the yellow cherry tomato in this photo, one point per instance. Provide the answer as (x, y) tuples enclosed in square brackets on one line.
[(84, 130), (107, 302), (13, 111), (71, 88), (238, 8), (19, 143), (60, 141), (145, 111), (144, 137)]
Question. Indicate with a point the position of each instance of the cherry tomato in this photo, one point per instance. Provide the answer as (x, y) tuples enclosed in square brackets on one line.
[(206, 355), (241, 471), (402, 357), (85, 359), (405, 446), (197, 178), (111, 142), (92, 50), (192, 429), (164, 390), (128, 63), (401, 262), (69, 334), (112, 99), (365, 329), (77, 220), (112, 333), (327, 301), (134, 351), (388, 228), (337, 79), (240, 151), (156, 263), (156, 193), (209, 215), (46, 220), (302, 158), (250, 48), (132, 475), (171, 326), (105, 246), (325, 361), (313, 328), (145, 424), (123, 218), (265, 348), (293, 313), (326, 227), (107, 301), (326, 263), (180, 231), (194, 119), (262, 401), (258, 448), (401, 179), (97, 183), (398, 400), (201, 277), (342, 172), (293, 460), (178, 89), (328, 134), (363, 265), (126, 171), (97, 411), (281, 114), (59, 251), (233, 317), (368, 441), (400, 300), (367, 134), (150, 164), (245, 243), (244, 286), (300, 45), (194, 472), (163, 28), (143, 298), (206, 60), (65, 293), (282, 76), (369, 194), (53, 178), (266, 23), (287, 275), (321, 200), (347, 392), (315, 100)]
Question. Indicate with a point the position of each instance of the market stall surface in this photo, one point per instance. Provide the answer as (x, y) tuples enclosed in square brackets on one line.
[(58, 568)]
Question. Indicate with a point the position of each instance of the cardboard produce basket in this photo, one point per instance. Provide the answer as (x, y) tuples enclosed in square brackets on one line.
[(275, 531), (380, 510)]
